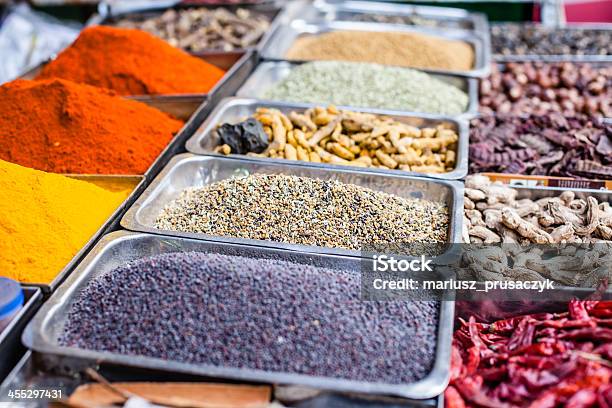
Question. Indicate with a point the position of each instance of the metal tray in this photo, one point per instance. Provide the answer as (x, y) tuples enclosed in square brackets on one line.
[(109, 13), (560, 58), (120, 247), (270, 73), (188, 170), (284, 35), (456, 18), (232, 110), (10, 338)]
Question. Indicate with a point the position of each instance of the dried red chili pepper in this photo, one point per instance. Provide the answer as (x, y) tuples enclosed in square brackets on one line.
[(538, 361)]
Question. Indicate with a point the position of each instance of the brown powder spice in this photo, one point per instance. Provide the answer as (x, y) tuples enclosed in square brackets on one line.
[(392, 48)]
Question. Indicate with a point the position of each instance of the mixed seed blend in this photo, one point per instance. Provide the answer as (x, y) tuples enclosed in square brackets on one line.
[(306, 211)]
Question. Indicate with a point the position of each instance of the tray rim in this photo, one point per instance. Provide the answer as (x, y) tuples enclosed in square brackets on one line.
[(430, 386), (130, 222), (472, 87), (193, 144), (479, 42)]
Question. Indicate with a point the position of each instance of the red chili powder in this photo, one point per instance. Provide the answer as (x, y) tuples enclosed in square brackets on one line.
[(131, 62), (63, 127)]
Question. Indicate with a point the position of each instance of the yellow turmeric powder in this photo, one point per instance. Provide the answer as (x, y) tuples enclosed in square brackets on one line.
[(45, 219)]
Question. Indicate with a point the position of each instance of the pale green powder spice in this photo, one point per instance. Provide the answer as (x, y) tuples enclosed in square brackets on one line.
[(369, 85)]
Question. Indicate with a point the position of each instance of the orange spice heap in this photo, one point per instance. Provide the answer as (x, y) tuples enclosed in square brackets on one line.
[(131, 62), (63, 127)]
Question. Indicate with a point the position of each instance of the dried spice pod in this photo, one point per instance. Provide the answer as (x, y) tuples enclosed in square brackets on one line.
[(538, 88), (551, 145), (536, 360), (495, 206), (351, 138), (203, 29), (535, 39)]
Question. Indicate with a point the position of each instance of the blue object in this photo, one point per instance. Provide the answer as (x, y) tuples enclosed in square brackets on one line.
[(11, 300)]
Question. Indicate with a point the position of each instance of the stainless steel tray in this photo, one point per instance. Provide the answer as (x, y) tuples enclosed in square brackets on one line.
[(117, 248), (188, 170), (232, 110), (455, 17), (560, 58), (11, 349), (270, 73), (284, 35)]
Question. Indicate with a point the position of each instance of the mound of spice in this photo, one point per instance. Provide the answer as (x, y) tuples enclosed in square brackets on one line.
[(238, 314), (535, 39), (198, 29), (307, 211), (131, 62), (63, 127), (45, 220), (552, 145), (370, 86), (541, 88), (343, 137), (389, 48), (536, 360)]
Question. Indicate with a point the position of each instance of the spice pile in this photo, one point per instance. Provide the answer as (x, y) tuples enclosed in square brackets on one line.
[(131, 62), (200, 29), (537, 360), (390, 48), (342, 137), (45, 220), (63, 127), (552, 145), (534, 39), (370, 86), (323, 213), (493, 214), (541, 88), (253, 313)]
